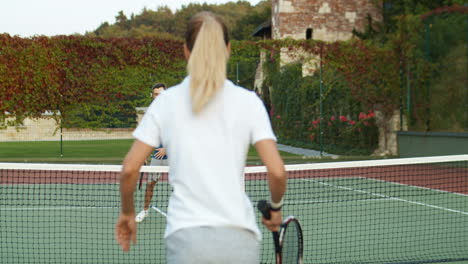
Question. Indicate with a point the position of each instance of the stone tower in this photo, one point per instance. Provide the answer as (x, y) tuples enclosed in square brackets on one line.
[(327, 20)]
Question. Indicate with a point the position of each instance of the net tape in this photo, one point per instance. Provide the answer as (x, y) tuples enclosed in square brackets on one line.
[(382, 211)]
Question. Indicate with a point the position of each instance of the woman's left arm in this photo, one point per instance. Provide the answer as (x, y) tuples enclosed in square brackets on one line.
[(125, 229)]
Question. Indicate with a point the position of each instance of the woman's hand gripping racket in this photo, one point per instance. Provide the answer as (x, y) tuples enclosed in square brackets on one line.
[(288, 241)]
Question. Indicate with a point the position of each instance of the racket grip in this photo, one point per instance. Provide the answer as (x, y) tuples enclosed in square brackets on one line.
[(142, 174), (264, 208), (140, 183), (276, 240)]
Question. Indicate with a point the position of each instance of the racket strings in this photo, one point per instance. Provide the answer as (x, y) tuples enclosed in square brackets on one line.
[(290, 244)]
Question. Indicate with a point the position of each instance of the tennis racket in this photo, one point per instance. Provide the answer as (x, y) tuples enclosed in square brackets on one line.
[(142, 174), (289, 243)]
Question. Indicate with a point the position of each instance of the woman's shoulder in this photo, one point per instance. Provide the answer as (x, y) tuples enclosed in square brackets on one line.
[(178, 87), (173, 92), (240, 91)]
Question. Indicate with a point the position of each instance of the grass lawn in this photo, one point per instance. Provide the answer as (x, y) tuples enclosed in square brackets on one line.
[(86, 152)]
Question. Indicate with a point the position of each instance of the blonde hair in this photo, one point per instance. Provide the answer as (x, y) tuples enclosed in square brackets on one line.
[(206, 39)]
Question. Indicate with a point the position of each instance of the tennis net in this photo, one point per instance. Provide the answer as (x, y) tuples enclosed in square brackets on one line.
[(386, 211)]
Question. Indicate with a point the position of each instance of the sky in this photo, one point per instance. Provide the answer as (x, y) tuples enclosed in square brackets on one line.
[(27, 18)]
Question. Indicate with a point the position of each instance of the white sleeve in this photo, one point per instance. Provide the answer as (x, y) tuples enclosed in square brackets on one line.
[(261, 126), (148, 130)]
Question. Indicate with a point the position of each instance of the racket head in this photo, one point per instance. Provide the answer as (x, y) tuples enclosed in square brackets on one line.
[(291, 241)]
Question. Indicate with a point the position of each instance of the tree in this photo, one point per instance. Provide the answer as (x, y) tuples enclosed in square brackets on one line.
[(248, 23), (241, 17), (122, 21)]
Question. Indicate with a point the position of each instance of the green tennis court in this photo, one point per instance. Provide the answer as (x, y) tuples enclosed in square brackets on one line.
[(348, 215)]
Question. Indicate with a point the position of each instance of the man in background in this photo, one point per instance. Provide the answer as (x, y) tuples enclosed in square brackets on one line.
[(158, 158)]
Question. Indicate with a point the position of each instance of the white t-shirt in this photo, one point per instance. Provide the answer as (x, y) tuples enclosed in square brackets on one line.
[(207, 154)]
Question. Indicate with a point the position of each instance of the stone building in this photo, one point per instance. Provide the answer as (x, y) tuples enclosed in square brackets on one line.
[(327, 20)]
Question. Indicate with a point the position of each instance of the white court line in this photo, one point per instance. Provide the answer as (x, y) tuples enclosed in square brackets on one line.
[(391, 198), (290, 202), (296, 202), (71, 208), (159, 211), (57, 208), (417, 187)]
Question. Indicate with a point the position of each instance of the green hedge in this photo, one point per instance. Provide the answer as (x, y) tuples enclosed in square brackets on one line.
[(95, 82)]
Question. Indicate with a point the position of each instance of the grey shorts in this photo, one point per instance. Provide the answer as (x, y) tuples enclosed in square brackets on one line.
[(208, 244), (156, 162)]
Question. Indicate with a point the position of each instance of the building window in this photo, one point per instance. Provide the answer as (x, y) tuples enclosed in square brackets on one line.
[(309, 33)]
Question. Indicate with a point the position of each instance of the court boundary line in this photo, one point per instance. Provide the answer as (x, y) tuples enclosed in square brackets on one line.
[(161, 212), (287, 202), (300, 202), (417, 187), (57, 208), (390, 197)]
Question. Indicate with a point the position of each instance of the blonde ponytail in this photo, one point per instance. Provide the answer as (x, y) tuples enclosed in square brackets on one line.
[(207, 61)]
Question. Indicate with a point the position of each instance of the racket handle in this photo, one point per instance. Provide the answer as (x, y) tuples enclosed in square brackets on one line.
[(264, 208), (276, 240), (142, 174), (140, 183)]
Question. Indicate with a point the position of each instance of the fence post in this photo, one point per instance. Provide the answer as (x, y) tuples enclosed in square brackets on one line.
[(321, 106), (61, 138), (427, 43), (408, 95), (402, 68), (466, 47), (237, 73)]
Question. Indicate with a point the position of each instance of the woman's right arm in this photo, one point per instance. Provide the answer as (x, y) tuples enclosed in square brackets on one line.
[(277, 179)]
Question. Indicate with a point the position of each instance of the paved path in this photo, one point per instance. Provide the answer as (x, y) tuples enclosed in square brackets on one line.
[(302, 151)]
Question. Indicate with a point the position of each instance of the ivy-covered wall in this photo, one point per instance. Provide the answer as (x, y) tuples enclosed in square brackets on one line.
[(351, 91), (92, 82)]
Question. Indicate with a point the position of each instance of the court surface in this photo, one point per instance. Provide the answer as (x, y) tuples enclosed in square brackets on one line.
[(344, 219)]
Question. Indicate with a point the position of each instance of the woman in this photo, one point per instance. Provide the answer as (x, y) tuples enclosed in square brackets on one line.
[(206, 124)]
